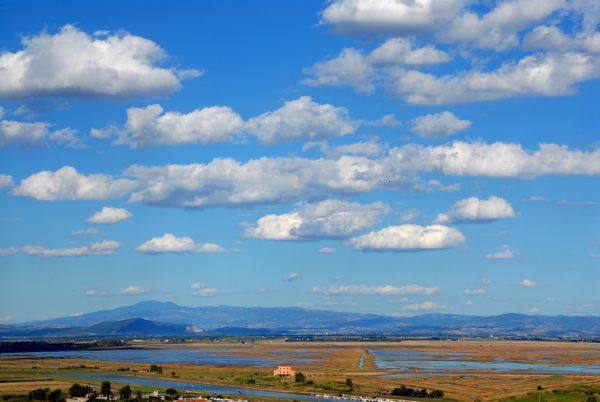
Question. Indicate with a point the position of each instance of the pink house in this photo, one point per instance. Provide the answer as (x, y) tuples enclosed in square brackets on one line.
[(284, 371)]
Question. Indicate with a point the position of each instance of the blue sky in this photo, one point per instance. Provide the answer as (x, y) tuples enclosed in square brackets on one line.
[(425, 157)]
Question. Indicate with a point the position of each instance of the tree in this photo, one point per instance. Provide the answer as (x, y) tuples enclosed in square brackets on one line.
[(105, 388), (172, 392), (40, 394), (299, 377), (155, 369), (55, 396), (349, 383), (78, 390), (125, 393), (436, 393)]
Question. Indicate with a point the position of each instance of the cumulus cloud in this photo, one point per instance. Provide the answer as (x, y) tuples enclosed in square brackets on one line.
[(106, 247), (151, 126), (71, 63), (408, 238), (109, 215), (199, 289), (538, 75), (228, 182), (301, 119), (361, 72), (528, 283), (475, 210), (325, 219), (67, 184), (326, 250), (36, 133), (438, 126), (426, 305), (168, 243), (396, 16), (552, 38), (371, 148), (385, 290), (499, 28), (504, 254), (475, 292)]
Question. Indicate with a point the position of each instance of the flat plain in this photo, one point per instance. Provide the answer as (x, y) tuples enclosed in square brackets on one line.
[(464, 370)]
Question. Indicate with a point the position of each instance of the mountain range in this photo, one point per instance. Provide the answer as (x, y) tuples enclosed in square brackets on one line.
[(155, 318)]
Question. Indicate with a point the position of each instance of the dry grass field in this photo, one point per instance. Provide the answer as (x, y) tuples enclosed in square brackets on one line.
[(333, 363)]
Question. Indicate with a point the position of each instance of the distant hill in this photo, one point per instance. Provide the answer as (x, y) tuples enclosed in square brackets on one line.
[(154, 318)]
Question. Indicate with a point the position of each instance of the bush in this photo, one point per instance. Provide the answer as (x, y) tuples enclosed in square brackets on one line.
[(56, 396), (77, 390), (40, 394), (156, 369), (105, 388), (436, 393), (299, 377), (349, 383), (125, 393)]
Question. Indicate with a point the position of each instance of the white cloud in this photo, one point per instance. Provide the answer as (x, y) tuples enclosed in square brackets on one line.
[(394, 16), (475, 292), (200, 290), (37, 133), (496, 160), (401, 51), (109, 215), (499, 28), (533, 310), (409, 215), (408, 238), (133, 290), (326, 250), (292, 277), (385, 290), (71, 63), (426, 305), (301, 120), (387, 120), (504, 254), (67, 184), (8, 251), (168, 243), (325, 219), (475, 210), (349, 68), (540, 75), (106, 247), (552, 38), (486, 281), (228, 182), (528, 283), (151, 126), (6, 181), (438, 126)]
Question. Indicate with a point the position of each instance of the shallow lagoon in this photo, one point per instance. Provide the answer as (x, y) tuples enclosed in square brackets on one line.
[(452, 363), (174, 356)]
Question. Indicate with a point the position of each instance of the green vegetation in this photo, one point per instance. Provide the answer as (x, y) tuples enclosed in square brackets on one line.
[(299, 377), (125, 393), (416, 393), (156, 369), (105, 388), (44, 394), (77, 390)]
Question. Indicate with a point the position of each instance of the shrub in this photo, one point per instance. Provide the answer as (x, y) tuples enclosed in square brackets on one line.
[(40, 394), (299, 377)]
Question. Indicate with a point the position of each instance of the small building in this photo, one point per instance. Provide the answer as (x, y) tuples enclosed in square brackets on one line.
[(284, 371)]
